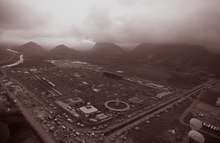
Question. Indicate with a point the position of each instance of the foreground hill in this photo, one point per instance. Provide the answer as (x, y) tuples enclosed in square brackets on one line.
[(173, 55), (31, 48), (182, 58)]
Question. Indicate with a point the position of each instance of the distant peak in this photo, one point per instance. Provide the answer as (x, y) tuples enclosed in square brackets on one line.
[(105, 48), (62, 47), (105, 43), (31, 48), (102, 45), (31, 43)]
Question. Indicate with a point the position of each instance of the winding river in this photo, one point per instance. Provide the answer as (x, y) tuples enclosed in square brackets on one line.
[(21, 60)]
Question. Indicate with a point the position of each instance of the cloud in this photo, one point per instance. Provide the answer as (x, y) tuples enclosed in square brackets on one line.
[(76, 22), (17, 15), (170, 21)]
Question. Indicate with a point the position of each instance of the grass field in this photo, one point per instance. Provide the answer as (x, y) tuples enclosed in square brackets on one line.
[(210, 97)]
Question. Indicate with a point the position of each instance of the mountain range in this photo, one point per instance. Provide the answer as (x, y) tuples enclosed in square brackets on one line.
[(172, 55)]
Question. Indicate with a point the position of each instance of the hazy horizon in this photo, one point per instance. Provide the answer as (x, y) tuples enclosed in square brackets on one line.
[(124, 22)]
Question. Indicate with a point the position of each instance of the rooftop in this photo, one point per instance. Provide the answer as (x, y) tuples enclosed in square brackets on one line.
[(75, 100), (88, 109)]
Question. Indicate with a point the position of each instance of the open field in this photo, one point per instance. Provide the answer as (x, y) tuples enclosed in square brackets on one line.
[(149, 72), (34, 62), (157, 130), (210, 97)]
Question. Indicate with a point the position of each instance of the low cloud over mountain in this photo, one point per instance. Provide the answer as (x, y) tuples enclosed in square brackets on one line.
[(83, 23)]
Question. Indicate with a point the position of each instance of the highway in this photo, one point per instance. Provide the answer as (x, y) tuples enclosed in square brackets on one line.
[(28, 116), (139, 118)]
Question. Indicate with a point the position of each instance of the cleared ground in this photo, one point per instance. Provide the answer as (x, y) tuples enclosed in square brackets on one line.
[(158, 128), (149, 72)]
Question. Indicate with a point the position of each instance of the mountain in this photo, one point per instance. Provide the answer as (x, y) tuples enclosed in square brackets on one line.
[(63, 51), (103, 53), (173, 55), (105, 48), (60, 49), (31, 48)]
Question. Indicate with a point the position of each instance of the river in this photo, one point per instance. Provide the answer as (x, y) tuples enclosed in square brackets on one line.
[(21, 60)]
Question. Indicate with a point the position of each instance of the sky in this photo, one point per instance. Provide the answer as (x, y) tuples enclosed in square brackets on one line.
[(81, 23)]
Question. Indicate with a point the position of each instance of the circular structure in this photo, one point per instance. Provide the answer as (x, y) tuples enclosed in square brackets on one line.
[(117, 105), (196, 136), (195, 124)]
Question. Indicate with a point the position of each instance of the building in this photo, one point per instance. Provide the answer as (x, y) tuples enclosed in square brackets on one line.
[(75, 101), (101, 116), (88, 109)]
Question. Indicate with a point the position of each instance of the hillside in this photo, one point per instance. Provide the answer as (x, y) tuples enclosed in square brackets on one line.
[(104, 48), (173, 55), (7, 57), (31, 48), (63, 51)]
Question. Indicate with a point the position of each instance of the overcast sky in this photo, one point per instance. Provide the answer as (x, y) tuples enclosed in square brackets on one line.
[(84, 22)]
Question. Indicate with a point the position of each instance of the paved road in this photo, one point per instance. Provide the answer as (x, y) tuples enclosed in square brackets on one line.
[(29, 117)]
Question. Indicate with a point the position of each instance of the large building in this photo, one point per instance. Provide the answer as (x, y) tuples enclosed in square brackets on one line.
[(88, 110)]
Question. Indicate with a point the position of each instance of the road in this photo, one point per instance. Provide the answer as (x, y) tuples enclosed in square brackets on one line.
[(28, 116), (129, 123)]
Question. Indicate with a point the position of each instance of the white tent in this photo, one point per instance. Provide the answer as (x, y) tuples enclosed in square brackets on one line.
[(195, 124), (196, 136)]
